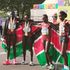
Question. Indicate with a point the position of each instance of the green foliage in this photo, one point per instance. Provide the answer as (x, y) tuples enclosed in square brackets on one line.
[(3, 14), (21, 6)]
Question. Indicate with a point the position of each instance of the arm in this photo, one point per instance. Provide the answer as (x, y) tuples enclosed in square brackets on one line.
[(38, 25), (67, 29), (5, 28)]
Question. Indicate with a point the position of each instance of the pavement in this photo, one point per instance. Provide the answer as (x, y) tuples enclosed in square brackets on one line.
[(19, 60)]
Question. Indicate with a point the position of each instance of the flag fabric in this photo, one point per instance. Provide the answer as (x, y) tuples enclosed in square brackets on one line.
[(19, 44), (55, 41), (57, 45), (19, 34), (39, 51), (55, 49)]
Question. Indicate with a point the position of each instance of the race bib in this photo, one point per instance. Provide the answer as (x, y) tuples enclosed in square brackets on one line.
[(45, 31)]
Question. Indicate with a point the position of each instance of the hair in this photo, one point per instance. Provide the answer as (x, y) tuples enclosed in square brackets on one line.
[(13, 15), (45, 16), (63, 13)]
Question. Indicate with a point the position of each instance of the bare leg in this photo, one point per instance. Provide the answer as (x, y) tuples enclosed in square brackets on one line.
[(8, 46), (65, 54), (24, 48)]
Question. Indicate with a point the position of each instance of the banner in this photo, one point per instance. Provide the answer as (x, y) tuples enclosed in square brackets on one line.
[(61, 2), (45, 6)]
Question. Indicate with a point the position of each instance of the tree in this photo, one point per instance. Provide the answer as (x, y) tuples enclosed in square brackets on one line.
[(21, 6), (37, 1)]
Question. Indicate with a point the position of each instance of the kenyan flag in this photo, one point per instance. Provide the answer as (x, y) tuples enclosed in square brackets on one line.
[(19, 34), (19, 44), (55, 50), (39, 51), (58, 48)]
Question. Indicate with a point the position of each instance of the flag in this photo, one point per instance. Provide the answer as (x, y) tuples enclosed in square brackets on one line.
[(18, 44), (55, 50), (19, 49), (55, 40), (39, 51)]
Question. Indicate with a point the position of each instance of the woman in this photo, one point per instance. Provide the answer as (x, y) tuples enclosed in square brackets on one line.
[(46, 38), (27, 39), (10, 36), (64, 33)]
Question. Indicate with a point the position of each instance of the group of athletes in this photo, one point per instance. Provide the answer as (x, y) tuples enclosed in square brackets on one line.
[(62, 27)]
